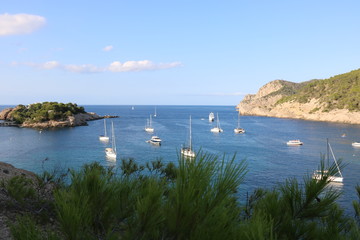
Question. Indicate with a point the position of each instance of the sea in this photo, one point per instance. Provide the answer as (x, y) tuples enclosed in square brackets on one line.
[(269, 160)]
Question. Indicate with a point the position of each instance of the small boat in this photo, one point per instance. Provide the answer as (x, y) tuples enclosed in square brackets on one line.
[(356, 144), (343, 135), (318, 174), (105, 137), (211, 117), (155, 112), (187, 151), (294, 142), (148, 127), (239, 129), (111, 152), (217, 129), (155, 140)]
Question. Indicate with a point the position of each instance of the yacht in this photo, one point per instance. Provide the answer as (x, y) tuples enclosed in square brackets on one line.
[(105, 137), (318, 174), (239, 129), (187, 151), (155, 140), (356, 144), (148, 127), (211, 117), (111, 152), (217, 129), (296, 142)]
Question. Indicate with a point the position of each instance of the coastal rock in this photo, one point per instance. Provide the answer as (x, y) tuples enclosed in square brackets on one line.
[(265, 103), (79, 119)]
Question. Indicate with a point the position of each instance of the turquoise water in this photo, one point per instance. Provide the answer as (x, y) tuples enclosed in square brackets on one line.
[(263, 145)]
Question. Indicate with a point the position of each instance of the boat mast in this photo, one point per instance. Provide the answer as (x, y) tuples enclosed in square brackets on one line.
[(190, 135), (113, 137), (337, 166), (105, 127)]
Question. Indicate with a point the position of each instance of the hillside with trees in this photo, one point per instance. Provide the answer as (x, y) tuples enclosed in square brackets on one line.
[(338, 92), (336, 99), (48, 115)]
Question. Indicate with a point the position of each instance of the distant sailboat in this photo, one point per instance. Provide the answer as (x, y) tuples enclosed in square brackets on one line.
[(104, 137), (148, 127), (239, 129), (111, 152), (155, 112), (211, 117), (187, 151), (318, 174), (217, 129)]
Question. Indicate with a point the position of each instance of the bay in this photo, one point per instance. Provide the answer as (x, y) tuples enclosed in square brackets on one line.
[(263, 146)]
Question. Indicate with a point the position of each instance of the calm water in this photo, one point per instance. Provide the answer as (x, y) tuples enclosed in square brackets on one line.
[(263, 146)]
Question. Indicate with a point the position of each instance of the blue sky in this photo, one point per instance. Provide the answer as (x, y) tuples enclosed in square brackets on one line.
[(169, 52)]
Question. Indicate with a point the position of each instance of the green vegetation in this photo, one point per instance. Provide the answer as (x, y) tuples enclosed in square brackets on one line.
[(338, 92), (41, 112), (194, 200)]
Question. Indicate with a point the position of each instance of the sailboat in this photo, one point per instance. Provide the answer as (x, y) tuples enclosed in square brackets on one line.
[(111, 152), (187, 151), (155, 112), (211, 117), (104, 137), (318, 174), (217, 129), (148, 127), (239, 129)]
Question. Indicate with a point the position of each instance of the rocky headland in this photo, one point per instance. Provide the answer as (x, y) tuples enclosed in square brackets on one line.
[(336, 99), (61, 120)]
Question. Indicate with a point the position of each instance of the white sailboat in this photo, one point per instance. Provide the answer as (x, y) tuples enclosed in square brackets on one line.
[(217, 129), (211, 117), (239, 129), (187, 151), (148, 127), (318, 174), (111, 152), (155, 112), (105, 137)]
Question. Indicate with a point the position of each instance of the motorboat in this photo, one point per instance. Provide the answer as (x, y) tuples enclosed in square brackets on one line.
[(296, 142), (155, 140), (355, 144)]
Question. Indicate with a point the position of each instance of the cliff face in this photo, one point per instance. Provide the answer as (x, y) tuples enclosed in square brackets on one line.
[(264, 103)]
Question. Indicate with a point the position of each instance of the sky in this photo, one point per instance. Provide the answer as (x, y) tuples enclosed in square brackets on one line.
[(143, 52)]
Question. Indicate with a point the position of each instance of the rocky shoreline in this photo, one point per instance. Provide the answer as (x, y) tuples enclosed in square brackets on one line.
[(265, 103), (79, 119)]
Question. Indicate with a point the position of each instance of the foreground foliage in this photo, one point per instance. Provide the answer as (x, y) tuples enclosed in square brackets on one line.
[(196, 199)]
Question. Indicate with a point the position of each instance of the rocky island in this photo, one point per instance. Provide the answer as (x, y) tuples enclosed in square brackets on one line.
[(48, 115), (336, 99)]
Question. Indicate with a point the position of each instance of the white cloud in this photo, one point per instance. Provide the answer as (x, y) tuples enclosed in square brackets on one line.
[(108, 48), (136, 66), (129, 66), (19, 23)]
